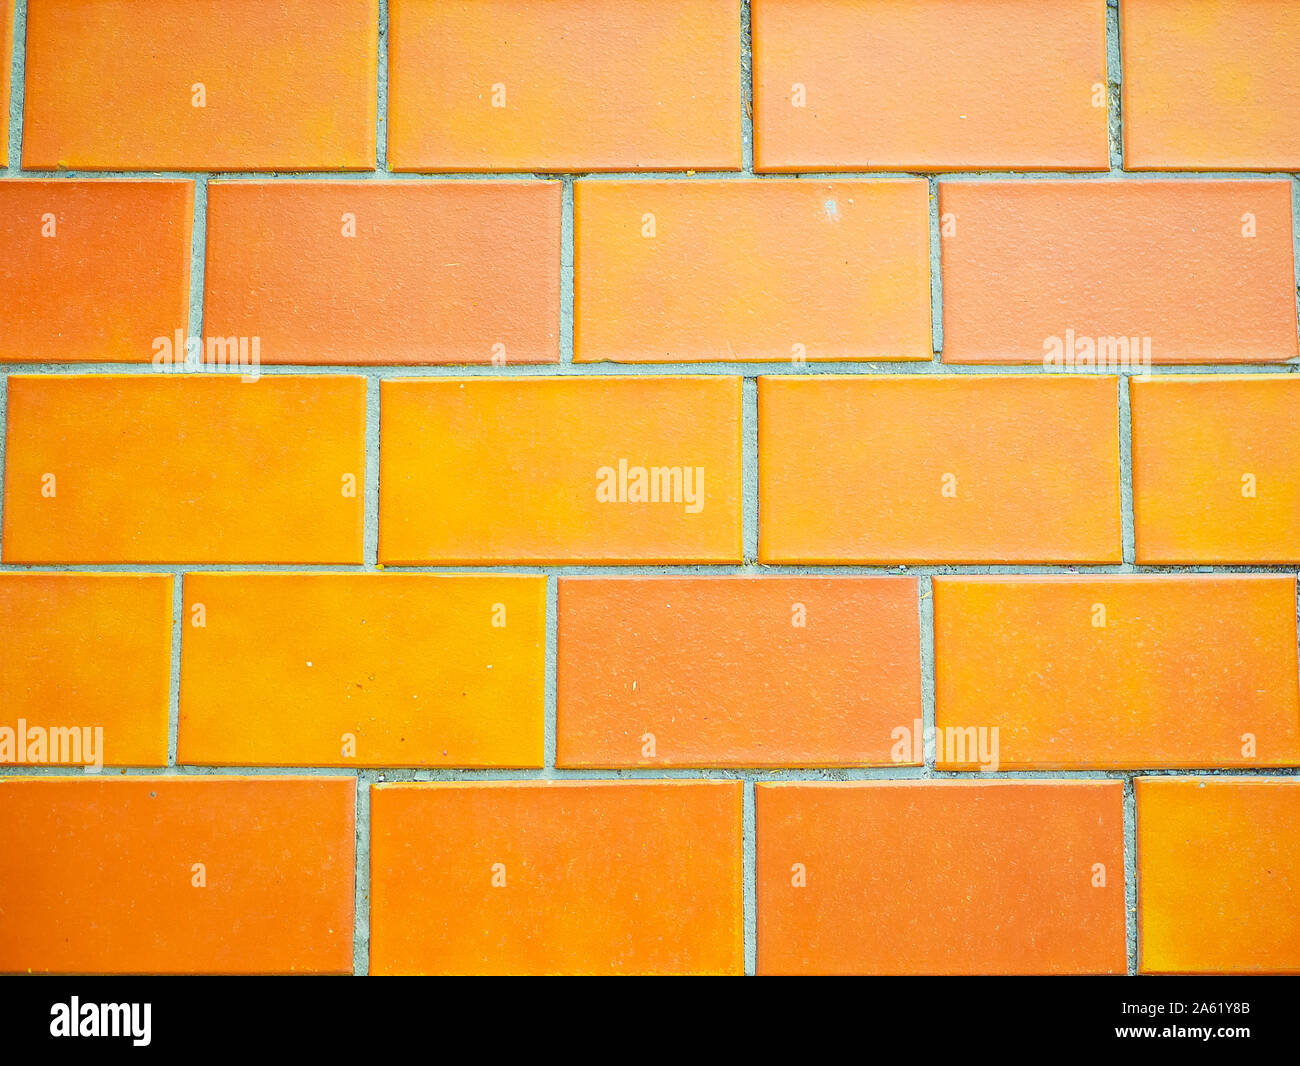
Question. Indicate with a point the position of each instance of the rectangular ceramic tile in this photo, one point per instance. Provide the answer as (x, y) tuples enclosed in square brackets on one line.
[(1117, 274), (1211, 84), (674, 271), (1216, 469), (723, 671), (941, 877), (1218, 875), (938, 470), (553, 470), (160, 85), (564, 85), (184, 469), (386, 272), (573, 877), (176, 875), (93, 271), (85, 669), (929, 85), (362, 670), (6, 58), (1063, 672)]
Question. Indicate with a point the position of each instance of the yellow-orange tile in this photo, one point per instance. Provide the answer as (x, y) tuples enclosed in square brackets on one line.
[(671, 271), (6, 58), (527, 470), (1211, 84), (929, 85), (184, 468), (386, 272), (362, 670), (1117, 672), (1216, 469), (103, 876), (723, 671), (941, 877), (941, 470), (86, 652), (240, 85), (1218, 875), (1125, 273), (564, 85), (93, 271), (582, 877)]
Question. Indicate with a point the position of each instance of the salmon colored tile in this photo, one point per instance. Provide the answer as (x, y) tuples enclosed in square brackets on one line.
[(554, 470), (941, 877), (930, 85), (1117, 273), (672, 271), (362, 670), (177, 875), (224, 85), (386, 272), (938, 470), (564, 85), (725, 671), (1211, 84), (1105, 673), (573, 877), (93, 271), (6, 58), (1218, 875), (1216, 469), (184, 469), (66, 698)]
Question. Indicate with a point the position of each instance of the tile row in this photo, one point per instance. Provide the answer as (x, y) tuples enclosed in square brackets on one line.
[(591, 85), (964, 469), (1059, 273), (257, 875), (449, 671)]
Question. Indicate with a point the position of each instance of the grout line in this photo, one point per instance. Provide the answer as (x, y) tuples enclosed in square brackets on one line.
[(929, 715), (749, 501), (549, 698), (1114, 89), (370, 506), (749, 875), (936, 275), (17, 86), (1126, 502), (746, 89), (174, 683), (1130, 873), (568, 274), (361, 876), (381, 92), (198, 264)]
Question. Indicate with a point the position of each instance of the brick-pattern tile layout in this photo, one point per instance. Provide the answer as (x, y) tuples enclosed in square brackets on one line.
[(565, 85), (177, 875), (1211, 84), (203, 85), (592, 877), (649, 486), (670, 271), (85, 669), (954, 470), (929, 85), (400, 272), (539, 470), (207, 469), (1216, 469), (94, 271), (727, 671), (1218, 874), (1045, 673), (1122, 273), (362, 670), (924, 877)]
